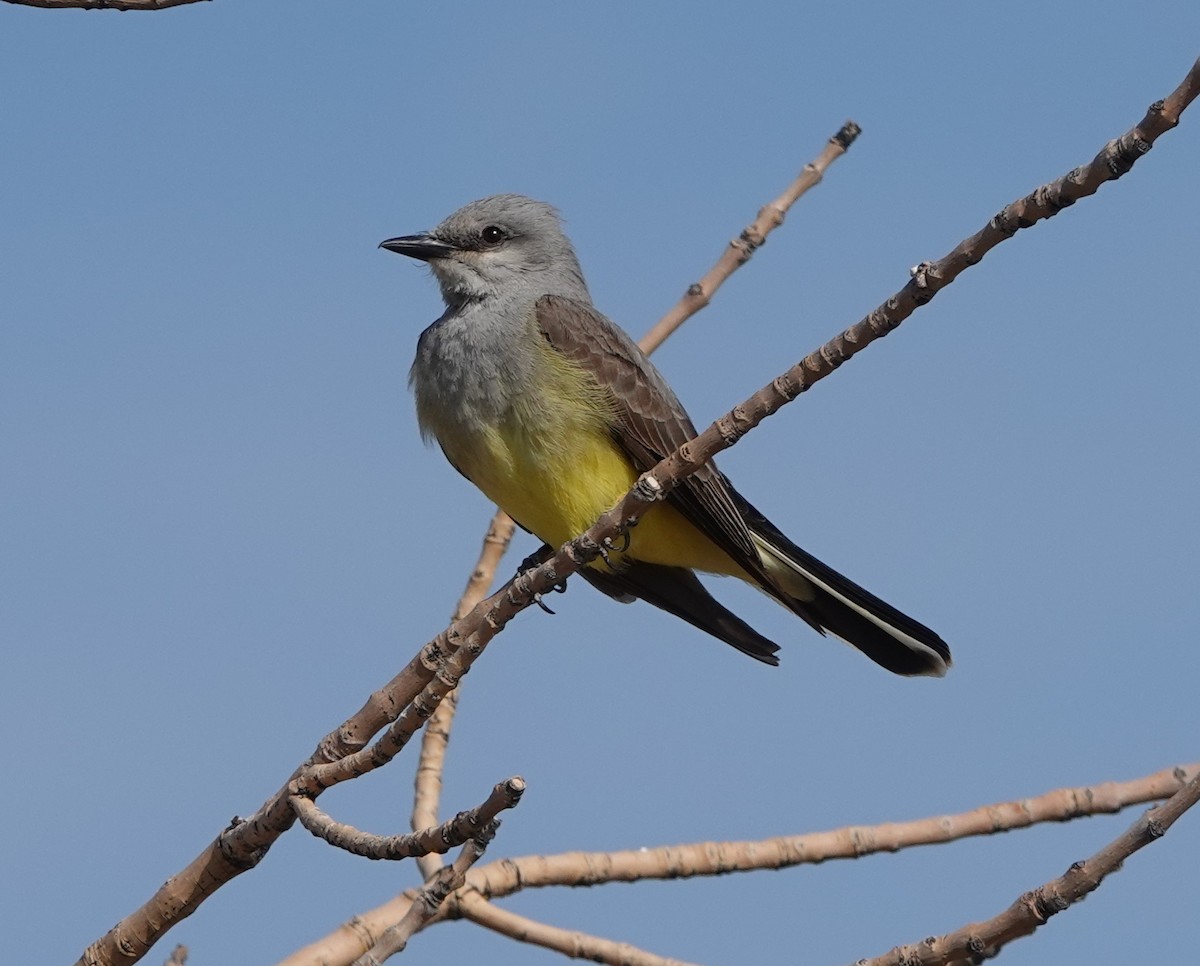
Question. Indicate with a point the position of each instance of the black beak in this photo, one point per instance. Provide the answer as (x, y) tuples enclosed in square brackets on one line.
[(423, 246)]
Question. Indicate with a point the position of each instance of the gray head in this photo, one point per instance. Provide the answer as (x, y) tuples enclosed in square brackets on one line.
[(505, 245)]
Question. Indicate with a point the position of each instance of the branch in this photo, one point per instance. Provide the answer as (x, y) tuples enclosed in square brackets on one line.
[(981, 940), (509, 876), (178, 956), (435, 839), (428, 901), (101, 4), (577, 945), (243, 844), (741, 249), (427, 784)]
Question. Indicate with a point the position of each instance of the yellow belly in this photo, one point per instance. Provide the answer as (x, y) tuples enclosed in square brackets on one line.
[(558, 491), (556, 475), (551, 464)]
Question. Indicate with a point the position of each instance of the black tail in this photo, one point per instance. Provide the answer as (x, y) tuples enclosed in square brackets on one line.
[(679, 592), (835, 604)]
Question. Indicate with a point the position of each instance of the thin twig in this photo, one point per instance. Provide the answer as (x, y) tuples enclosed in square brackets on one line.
[(427, 784), (508, 876), (178, 956), (741, 249), (577, 945), (243, 844), (437, 839), (428, 902), (101, 4), (981, 940)]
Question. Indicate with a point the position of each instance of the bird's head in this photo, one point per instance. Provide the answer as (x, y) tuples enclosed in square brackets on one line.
[(504, 245)]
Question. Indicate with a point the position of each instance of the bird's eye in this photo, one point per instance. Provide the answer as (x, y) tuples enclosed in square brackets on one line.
[(493, 235)]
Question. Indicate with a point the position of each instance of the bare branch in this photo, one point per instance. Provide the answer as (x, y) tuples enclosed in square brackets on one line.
[(741, 249), (435, 839), (243, 844), (428, 901), (1113, 161), (178, 956), (431, 764), (717, 858), (578, 945), (427, 790), (981, 940), (101, 4), (507, 876)]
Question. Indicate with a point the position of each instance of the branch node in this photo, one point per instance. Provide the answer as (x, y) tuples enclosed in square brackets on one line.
[(847, 135), (1005, 221), (920, 274), (787, 386), (832, 354), (432, 655), (750, 240), (649, 489), (1123, 152)]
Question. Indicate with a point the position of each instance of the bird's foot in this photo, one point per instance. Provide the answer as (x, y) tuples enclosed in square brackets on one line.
[(607, 545), (535, 559), (557, 588)]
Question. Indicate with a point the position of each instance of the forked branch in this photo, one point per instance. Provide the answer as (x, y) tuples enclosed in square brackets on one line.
[(436, 670), (509, 876), (982, 940), (437, 839), (428, 901)]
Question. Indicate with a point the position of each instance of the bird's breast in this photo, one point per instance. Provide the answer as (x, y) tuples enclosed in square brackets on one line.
[(527, 426), (533, 430)]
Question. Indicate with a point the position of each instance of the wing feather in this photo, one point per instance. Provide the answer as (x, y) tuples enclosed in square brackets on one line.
[(651, 422)]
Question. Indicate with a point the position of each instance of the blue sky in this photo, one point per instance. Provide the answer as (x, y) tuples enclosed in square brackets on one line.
[(220, 530)]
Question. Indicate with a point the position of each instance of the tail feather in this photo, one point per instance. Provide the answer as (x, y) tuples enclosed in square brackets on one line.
[(679, 592), (825, 599), (835, 604)]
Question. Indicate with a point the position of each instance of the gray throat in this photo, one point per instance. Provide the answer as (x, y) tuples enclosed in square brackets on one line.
[(473, 364)]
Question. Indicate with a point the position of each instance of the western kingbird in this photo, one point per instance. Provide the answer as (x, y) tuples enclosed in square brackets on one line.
[(553, 412)]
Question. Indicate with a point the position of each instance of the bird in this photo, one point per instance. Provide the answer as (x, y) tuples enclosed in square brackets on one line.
[(553, 412)]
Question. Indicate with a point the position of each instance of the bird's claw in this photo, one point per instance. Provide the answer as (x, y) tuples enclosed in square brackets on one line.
[(556, 588), (607, 545), (535, 559), (608, 542)]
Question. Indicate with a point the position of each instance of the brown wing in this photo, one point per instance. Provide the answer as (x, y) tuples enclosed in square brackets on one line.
[(651, 422)]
